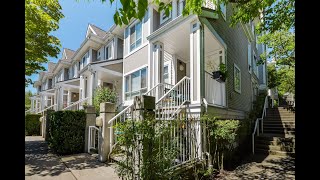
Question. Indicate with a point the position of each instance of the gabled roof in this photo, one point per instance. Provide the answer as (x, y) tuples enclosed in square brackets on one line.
[(67, 54), (51, 66), (95, 30)]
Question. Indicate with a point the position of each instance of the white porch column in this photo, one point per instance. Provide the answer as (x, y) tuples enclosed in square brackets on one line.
[(157, 65), (69, 98), (92, 87), (60, 98), (100, 83), (56, 90), (81, 87), (195, 62), (174, 9), (32, 103)]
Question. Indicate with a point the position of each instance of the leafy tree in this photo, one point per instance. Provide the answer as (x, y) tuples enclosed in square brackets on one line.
[(282, 47), (273, 78), (27, 100), (41, 18), (278, 14), (287, 78)]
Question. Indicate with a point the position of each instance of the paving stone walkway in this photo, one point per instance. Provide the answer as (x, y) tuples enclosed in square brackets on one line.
[(263, 167), (41, 164)]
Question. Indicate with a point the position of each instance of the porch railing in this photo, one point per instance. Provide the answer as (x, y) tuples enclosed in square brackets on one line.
[(50, 107), (76, 105), (256, 126), (173, 100), (159, 90)]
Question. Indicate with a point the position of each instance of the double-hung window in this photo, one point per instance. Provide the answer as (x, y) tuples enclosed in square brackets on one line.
[(136, 84), (108, 52), (135, 36), (237, 78), (84, 60), (166, 74), (249, 58)]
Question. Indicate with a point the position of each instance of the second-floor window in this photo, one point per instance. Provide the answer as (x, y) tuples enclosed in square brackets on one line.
[(108, 52), (237, 78), (249, 58), (135, 36), (164, 17), (84, 60)]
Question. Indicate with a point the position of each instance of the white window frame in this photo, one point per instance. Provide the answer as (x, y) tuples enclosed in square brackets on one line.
[(235, 67), (141, 90), (162, 13), (223, 9), (86, 55), (107, 53), (129, 36), (249, 57), (168, 73)]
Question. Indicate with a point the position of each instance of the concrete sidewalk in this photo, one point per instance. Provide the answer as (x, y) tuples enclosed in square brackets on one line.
[(41, 164)]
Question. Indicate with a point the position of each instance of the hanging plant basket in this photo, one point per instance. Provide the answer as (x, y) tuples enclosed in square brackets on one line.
[(218, 76)]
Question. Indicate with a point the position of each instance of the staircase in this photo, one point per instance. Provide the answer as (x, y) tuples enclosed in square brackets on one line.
[(278, 135)]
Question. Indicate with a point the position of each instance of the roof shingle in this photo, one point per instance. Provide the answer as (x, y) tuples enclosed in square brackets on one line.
[(101, 33)]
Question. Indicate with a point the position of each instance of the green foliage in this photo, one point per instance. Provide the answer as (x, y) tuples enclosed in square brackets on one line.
[(278, 14), (282, 77), (155, 157), (41, 18), (32, 124), (220, 137), (282, 47), (287, 78), (223, 69), (273, 77), (104, 94), (67, 132), (27, 101)]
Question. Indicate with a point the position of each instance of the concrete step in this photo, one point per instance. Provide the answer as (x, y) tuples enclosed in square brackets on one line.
[(274, 148), (279, 125), (278, 128), (276, 137), (275, 142), (274, 152), (279, 120), (279, 132), (273, 116)]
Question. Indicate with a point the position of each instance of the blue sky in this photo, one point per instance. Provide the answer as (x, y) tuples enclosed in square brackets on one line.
[(72, 29)]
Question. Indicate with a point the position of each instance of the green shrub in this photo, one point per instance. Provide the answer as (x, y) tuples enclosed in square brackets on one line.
[(103, 94), (67, 132), (32, 126)]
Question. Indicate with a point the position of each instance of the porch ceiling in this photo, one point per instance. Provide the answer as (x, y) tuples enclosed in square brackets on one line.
[(177, 41)]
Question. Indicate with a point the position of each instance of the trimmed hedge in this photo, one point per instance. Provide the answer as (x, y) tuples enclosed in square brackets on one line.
[(32, 126), (67, 132)]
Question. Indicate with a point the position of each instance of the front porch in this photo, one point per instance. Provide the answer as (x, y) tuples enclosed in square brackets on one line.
[(188, 48)]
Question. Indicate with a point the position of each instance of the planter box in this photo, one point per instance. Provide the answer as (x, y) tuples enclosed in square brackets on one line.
[(218, 76)]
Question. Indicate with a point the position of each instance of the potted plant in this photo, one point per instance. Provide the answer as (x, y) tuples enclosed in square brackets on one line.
[(221, 74)]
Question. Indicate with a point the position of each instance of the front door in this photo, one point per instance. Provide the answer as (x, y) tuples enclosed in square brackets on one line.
[(181, 70)]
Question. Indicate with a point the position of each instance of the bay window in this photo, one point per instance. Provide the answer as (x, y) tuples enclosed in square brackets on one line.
[(136, 84)]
